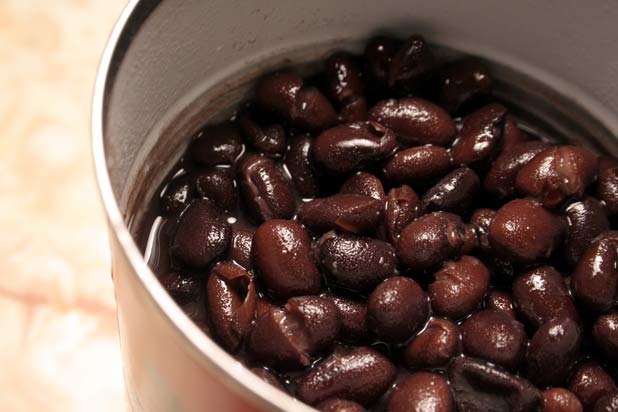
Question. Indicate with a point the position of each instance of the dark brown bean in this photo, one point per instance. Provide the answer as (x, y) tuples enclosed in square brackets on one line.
[(400, 209), (553, 350), (500, 301), (266, 191), (354, 213), (455, 192), (480, 221), (607, 187), (524, 231), (397, 309), (269, 139), (590, 383), (459, 287), (240, 247), (356, 263), (339, 405), (417, 165), (586, 220), (480, 138), (181, 286), (410, 64), (217, 145), (494, 336), (500, 179), (312, 110), (283, 258), (353, 146), (430, 240), (557, 173), (355, 110), (363, 183), (434, 346), (561, 400), (176, 196), (320, 318), (343, 77), (361, 375), (279, 340), (463, 83), (415, 121), (607, 403), (299, 164), (595, 278), (541, 295), (278, 92), (219, 186), (421, 392), (379, 52), (231, 302), (353, 315), (479, 386), (512, 134), (202, 235), (268, 377), (605, 333)]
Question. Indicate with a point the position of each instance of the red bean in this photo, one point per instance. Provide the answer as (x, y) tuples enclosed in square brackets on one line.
[(320, 318), (201, 236), (299, 164), (430, 240), (361, 375), (217, 145), (524, 232), (356, 263), (605, 333), (500, 179), (595, 278), (410, 64), (459, 287), (541, 295), (589, 382), (415, 121), (397, 309), (480, 138), (219, 186), (462, 83), (494, 336), (479, 386), (282, 256), (561, 400), (434, 346), (363, 183), (266, 191), (587, 220), (421, 392), (353, 146), (553, 350), (231, 302), (353, 213), (557, 173), (456, 192), (607, 187), (400, 209)]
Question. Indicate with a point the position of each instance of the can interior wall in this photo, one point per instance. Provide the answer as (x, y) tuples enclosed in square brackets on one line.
[(174, 65)]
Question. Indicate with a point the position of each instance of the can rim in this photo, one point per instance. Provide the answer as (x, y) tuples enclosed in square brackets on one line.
[(235, 376)]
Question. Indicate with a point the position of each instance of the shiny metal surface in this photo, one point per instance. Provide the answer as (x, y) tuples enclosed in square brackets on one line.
[(172, 65)]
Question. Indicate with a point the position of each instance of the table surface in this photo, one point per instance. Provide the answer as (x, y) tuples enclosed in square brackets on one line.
[(58, 346)]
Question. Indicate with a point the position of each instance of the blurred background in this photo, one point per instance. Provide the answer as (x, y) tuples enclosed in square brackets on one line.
[(58, 339)]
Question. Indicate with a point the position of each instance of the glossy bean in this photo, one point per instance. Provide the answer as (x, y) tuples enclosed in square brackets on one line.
[(299, 164), (586, 220), (269, 139), (176, 196), (400, 209), (217, 145), (353, 316), (500, 301), (363, 183), (219, 186), (268, 377), (434, 346), (607, 186), (456, 192), (561, 400), (421, 392), (339, 405), (589, 382), (320, 317), (605, 333), (463, 83), (343, 77), (352, 213), (607, 403), (240, 247), (409, 65), (417, 166)]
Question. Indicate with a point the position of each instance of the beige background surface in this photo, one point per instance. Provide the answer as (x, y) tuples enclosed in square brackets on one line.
[(58, 345)]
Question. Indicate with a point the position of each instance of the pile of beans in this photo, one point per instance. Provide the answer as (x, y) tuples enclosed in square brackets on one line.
[(384, 235)]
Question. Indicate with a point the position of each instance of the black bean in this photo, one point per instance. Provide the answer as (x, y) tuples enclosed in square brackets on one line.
[(421, 392), (217, 145), (269, 139), (586, 220), (561, 400), (417, 166), (219, 186), (400, 209), (462, 83), (434, 346), (410, 64), (607, 187), (299, 164), (363, 183), (177, 195), (455, 192), (589, 382), (605, 333)]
